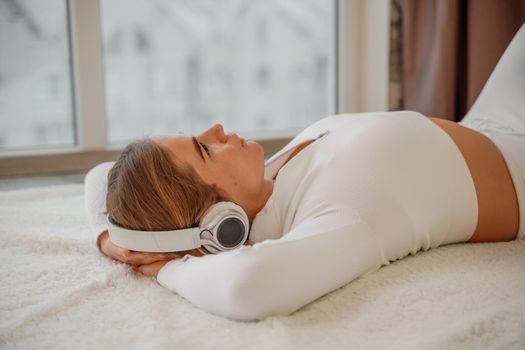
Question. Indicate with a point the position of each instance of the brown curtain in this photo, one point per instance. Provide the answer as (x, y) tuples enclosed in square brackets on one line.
[(449, 49)]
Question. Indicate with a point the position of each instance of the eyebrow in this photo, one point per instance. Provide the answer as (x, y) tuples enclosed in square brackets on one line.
[(197, 148)]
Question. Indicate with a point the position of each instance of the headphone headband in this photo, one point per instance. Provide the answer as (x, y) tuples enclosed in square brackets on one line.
[(154, 241)]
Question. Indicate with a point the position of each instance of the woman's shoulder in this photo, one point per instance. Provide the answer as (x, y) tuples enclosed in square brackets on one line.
[(360, 117)]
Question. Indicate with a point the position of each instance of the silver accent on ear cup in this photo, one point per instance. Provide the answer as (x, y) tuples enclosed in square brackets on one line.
[(206, 239), (211, 247), (209, 243)]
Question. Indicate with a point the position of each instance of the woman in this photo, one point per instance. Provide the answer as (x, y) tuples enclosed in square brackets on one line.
[(348, 195)]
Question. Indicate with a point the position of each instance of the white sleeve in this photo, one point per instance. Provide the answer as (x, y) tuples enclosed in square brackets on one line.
[(502, 99), (95, 189), (277, 277)]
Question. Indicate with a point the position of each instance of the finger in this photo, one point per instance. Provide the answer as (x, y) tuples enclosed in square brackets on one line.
[(142, 269), (115, 252), (141, 258), (145, 269), (151, 269), (123, 255), (136, 258)]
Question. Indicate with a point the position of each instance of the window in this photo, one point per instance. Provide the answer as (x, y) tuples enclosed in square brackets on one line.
[(36, 108), (80, 76), (261, 68)]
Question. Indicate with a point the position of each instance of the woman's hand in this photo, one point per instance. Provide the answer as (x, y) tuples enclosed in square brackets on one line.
[(133, 258), (151, 269)]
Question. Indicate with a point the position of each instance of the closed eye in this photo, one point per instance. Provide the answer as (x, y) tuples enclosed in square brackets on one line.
[(205, 148)]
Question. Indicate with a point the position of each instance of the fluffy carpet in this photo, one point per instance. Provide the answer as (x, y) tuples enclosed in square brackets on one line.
[(58, 292)]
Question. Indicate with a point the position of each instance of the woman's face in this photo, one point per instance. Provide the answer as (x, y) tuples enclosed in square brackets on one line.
[(233, 166)]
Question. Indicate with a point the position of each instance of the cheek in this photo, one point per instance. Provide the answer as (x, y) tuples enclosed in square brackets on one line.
[(207, 176), (243, 168), (234, 157), (242, 173)]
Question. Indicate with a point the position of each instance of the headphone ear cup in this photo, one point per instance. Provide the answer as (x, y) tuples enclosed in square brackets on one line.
[(214, 212), (220, 210)]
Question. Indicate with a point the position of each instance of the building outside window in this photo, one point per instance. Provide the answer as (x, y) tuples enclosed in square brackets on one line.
[(261, 68)]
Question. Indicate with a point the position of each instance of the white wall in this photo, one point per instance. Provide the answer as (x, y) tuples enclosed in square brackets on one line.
[(364, 55)]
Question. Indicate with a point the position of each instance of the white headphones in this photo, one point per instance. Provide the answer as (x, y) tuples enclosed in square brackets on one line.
[(224, 226)]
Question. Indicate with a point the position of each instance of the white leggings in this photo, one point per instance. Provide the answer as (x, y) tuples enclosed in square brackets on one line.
[(499, 113)]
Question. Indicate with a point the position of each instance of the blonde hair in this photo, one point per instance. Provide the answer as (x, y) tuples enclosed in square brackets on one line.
[(150, 189)]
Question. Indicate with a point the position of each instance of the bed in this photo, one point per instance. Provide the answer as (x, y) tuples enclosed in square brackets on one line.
[(59, 292)]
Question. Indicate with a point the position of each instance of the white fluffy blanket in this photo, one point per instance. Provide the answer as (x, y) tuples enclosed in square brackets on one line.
[(58, 292)]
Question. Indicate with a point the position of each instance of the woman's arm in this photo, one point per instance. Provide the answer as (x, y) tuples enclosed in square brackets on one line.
[(95, 190), (277, 277)]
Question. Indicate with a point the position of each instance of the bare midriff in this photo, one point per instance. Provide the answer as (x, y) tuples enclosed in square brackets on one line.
[(498, 211)]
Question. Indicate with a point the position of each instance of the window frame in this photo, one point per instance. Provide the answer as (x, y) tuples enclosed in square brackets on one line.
[(357, 35)]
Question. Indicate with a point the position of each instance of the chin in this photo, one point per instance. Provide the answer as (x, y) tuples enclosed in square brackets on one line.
[(261, 149), (255, 144)]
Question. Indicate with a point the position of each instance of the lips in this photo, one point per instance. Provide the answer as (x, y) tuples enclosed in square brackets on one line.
[(241, 140)]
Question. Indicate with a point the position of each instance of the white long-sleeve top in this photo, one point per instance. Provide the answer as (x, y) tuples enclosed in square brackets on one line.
[(371, 188)]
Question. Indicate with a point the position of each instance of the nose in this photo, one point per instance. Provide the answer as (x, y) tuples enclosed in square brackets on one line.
[(215, 133)]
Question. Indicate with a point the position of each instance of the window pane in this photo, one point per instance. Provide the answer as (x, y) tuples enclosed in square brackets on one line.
[(35, 86), (259, 67)]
